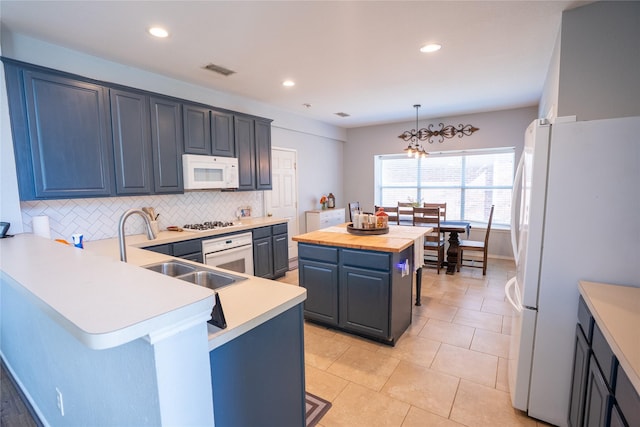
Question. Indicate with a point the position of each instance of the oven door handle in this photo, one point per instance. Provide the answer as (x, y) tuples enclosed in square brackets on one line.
[(229, 251)]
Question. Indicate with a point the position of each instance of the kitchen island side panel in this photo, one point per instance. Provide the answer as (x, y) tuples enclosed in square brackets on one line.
[(258, 379), (401, 307)]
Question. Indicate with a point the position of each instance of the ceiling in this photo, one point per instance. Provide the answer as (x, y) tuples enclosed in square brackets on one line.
[(357, 57)]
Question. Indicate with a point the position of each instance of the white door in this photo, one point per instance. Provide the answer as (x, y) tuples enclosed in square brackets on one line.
[(282, 200)]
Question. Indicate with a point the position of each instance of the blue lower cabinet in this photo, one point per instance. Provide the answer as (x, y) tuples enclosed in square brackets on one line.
[(321, 282), (627, 399), (616, 418), (364, 292), (270, 251), (580, 376), (598, 404), (258, 378), (602, 394), (364, 297)]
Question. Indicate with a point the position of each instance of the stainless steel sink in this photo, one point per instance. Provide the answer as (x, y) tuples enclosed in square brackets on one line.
[(194, 274), (210, 279), (172, 268)]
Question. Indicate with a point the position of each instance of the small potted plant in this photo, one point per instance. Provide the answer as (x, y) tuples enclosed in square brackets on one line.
[(323, 201)]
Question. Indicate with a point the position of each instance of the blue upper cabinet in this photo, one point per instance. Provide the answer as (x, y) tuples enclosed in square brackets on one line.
[(197, 129), (253, 149), (166, 139), (76, 137), (131, 127), (62, 136), (207, 131), (263, 154), (245, 150), (222, 134)]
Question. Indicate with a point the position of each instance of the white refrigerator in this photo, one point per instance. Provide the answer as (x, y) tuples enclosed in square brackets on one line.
[(576, 215)]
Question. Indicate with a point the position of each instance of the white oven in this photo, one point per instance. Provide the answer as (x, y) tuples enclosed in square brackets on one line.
[(233, 252)]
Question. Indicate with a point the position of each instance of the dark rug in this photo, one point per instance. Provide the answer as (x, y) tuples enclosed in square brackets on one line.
[(316, 408)]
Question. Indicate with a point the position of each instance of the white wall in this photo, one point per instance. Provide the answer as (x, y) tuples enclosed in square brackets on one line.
[(320, 168), (600, 61), (548, 106)]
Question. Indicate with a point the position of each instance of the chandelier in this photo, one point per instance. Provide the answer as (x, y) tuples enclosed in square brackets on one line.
[(415, 148)]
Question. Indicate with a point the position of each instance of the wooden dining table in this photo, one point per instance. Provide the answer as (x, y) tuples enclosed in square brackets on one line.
[(454, 228)]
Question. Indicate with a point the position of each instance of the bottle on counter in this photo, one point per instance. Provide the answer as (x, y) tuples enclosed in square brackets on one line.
[(382, 219), (331, 201)]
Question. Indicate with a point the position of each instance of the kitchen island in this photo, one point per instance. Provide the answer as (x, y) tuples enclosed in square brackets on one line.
[(360, 284), (95, 341)]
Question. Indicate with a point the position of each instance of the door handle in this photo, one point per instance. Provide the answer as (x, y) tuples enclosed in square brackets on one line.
[(514, 223), (507, 291)]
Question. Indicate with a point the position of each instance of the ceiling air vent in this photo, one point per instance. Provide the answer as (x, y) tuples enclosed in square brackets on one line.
[(219, 69), (341, 114)]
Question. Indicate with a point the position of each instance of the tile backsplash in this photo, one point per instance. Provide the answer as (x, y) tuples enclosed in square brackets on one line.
[(98, 218)]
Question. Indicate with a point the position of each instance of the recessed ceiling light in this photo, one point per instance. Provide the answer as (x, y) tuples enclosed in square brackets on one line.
[(158, 32), (288, 83), (428, 48)]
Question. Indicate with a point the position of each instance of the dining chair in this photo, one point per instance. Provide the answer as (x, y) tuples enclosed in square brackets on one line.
[(433, 241), (353, 208), (405, 211), (473, 245), (391, 211), (441, 206), (443, 212)]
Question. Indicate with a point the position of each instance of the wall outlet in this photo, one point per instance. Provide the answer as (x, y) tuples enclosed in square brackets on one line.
[(59, 401)]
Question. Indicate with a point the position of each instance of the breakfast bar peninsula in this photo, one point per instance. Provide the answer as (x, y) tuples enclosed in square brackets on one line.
[(360, 283)]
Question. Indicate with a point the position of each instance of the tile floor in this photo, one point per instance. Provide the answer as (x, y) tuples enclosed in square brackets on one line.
[(448, 369)]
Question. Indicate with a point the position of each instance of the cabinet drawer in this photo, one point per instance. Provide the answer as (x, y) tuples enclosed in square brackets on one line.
[(187, 247), (585, 320), (372, 260), (279, 228), (605, 357), (336, 215), (259, 233), (628, 399), (319, 253)]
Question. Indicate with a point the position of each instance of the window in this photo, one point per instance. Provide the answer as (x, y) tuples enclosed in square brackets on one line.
[(468, 181)]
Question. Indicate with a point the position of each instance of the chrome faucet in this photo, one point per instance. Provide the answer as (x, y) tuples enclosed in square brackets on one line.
[(150, 234)]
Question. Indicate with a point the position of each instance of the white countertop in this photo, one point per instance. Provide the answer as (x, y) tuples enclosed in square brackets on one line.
[(104, 302), (245, 224), (616, 310)]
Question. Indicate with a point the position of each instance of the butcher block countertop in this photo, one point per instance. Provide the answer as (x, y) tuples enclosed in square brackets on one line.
[(616, 310), (399, 238)]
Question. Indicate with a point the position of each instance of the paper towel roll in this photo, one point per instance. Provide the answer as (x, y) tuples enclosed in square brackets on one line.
[(41, 226)]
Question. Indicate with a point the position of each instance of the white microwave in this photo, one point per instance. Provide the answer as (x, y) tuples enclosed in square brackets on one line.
[(209, 172)]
